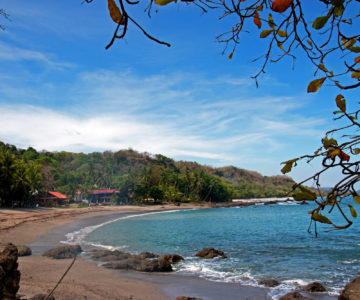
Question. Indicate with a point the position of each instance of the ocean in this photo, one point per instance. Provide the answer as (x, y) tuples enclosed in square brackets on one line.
[(261, 242)]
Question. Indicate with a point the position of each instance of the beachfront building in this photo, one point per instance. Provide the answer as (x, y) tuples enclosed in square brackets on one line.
[(52, 199), (102, 196)]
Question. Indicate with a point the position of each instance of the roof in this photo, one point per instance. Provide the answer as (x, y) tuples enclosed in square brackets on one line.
[(58, 195), (110, 191)]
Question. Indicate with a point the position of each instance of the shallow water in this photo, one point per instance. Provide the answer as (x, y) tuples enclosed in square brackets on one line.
[(261, 242)]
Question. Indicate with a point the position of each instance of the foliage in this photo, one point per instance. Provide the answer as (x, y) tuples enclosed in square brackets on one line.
[(20, 179), (139, 177)]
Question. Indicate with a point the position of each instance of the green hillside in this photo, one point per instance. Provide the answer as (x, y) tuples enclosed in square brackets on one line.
[(138, 176)]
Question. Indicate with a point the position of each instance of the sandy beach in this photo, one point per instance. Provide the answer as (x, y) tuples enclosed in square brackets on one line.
[(85, 280), (44, 228)]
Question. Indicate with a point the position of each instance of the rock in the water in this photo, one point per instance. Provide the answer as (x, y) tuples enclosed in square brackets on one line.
[(145, 255), (107, 255), (187, 298), (63, 252), (208, 253), (270, 282), (314, 287), (41, 297), (9, 274), (172, 258), (294, 296), (351, 290), (23, 250)]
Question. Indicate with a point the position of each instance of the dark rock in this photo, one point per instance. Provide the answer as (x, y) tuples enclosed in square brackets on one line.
[(187, 298), (142, 265), (270, 282), (10, 276), (172, 258), (303, 203), (107, 255), (351, 290), (314, 287), (63, 252), (23, 250), (294, 296), (41, 297), (145, 255), (208, 253)]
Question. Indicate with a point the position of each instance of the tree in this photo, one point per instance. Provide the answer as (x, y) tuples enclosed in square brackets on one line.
[(330, 36)]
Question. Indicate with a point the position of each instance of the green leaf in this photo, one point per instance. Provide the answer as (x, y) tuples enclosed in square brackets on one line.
[(320, 22), (282, 33), (280, 45), (271, 21), (300, 196), (356, 150), (354, 49), (309, 192), (230, 55), (352, 211), (163, 2), (337, 112), (339, 10), (329, 142), (350, 43), (341, 102), (315, 85), (317, 151), (310, 43), (356, 74), (356, 199), (288, 165), (320, 218), (323, 68), (265, 33)]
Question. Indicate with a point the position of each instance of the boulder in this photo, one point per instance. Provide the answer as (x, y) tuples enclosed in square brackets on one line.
[(63, 252), (208, 253), (187, 298), (41, 297), (269, 282), (351, 290), (107, 255), (294, 296), (172, 258), (142, 265), (9, 273), (145, 255), (314, 287), (23, 250)]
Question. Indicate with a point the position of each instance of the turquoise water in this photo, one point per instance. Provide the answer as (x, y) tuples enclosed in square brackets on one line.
[(261, 242)]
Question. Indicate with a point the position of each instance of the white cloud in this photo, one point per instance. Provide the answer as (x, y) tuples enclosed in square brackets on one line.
[(12, 53)]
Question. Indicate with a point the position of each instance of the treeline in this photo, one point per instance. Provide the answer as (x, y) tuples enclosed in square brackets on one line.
[(140, 177)]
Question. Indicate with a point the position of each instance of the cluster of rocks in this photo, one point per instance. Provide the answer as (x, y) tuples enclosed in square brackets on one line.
[(144, 262), (63, 252)]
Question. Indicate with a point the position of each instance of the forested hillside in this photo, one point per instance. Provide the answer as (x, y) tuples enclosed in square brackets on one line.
[(139, 177)]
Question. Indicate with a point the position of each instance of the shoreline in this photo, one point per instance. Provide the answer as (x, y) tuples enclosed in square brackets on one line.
[(83, 280)]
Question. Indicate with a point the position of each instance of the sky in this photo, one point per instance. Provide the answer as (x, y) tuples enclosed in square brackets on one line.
[(61, 90)]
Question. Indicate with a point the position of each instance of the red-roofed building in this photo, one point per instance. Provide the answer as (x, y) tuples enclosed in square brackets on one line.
[(102, 196), (53, 198)]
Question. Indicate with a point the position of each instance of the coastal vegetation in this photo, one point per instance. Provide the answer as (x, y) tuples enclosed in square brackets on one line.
[(139, 177)]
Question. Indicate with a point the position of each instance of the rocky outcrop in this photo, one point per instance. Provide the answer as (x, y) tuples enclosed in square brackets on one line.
[(351, 290), (23, 250), (9, 273), (144, 262), (294, 296), (41, 297), (269, 282), (63, 252), (314, 287), (208, 253), (187, 298)]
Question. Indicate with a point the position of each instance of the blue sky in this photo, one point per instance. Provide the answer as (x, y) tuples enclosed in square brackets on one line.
[(61, 90)]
